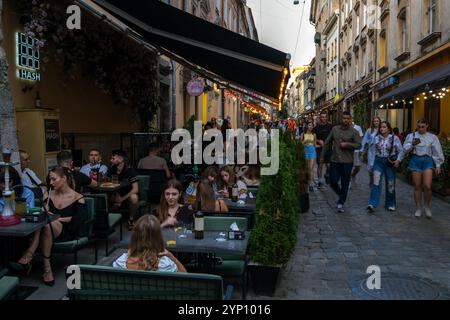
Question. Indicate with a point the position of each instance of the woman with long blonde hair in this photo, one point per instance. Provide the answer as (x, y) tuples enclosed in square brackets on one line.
[(146, 251)]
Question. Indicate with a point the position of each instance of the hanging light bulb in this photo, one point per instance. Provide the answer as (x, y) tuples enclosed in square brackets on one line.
[(431, 91), (434, 95), (425, 97), (410, 102), (423, 93), (418, 99)]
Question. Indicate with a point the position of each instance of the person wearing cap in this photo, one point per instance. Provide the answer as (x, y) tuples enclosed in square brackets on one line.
[(127, 176)]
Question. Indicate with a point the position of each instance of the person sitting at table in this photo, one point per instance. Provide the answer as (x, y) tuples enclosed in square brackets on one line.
[(16, 185), (81, 181), (206, 200), (210, 174), (171, 208), (129, 191), (154, 162), (94, 167), (29, 177), (146, 251), (70, 205), (228, 178)]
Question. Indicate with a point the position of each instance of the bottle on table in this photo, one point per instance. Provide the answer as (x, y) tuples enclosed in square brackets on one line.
[(234, 192), (199, 225)]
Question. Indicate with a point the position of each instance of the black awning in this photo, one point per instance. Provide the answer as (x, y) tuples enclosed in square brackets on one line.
[(231, 57), (433, 80)]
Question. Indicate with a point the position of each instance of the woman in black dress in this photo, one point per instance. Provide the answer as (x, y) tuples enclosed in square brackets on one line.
[(71, 207)]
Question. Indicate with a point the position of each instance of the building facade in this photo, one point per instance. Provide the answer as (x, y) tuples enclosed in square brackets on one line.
[(235, 16), (382, 46), (414, 40)]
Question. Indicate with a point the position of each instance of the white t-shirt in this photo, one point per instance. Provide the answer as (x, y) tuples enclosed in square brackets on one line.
[(28, 176), (358, 128), (165, 263)]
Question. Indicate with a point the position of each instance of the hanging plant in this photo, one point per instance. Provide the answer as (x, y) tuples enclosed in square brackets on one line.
[(116, 64)]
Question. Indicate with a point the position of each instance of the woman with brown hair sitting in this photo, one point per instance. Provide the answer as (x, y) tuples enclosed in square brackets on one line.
[(71, 207), (206, 199), (171, 207), (146, 251)]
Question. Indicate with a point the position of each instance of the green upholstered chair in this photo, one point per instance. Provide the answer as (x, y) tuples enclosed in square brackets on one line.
[(144, 185), (108, 283), (232, 266), (157, 181), (85, 236), (105, 222)]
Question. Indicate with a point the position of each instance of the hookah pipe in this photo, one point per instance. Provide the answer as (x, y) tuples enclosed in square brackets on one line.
[(44, 206), (7, 217)]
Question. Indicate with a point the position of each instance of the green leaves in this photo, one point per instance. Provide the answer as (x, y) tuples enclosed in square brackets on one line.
[(274, 235)]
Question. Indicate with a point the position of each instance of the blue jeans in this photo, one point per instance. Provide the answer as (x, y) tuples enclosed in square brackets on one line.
[(342, 172), (382, 168)]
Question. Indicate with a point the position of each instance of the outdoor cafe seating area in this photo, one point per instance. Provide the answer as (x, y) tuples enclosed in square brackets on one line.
[(216, 264)]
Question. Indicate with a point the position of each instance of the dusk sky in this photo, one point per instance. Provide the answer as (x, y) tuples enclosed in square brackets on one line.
[(280, 23)]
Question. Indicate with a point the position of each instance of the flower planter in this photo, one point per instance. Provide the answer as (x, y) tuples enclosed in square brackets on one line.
[(264, 279), (303, 201)]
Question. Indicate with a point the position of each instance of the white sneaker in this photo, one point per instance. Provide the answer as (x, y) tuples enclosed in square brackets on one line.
[(392, 209), (428, 212), (340, 208), (418, 213), (370, 208)]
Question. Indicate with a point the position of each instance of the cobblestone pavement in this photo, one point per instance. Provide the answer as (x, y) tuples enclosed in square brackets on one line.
[(334, 250)]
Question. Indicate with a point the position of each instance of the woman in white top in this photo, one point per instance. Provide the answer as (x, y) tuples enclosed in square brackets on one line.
[(146, 251), (388, 151), (370, 133), (426, 155)]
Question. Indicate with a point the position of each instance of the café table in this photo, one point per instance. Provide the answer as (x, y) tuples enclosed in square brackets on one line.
[(109, 187), (9, 235), (186, 242), (248, 205)]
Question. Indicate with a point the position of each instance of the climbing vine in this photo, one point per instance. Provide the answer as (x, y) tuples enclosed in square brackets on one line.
[(117, 65)]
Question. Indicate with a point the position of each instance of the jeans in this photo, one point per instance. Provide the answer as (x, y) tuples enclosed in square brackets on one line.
[(383, 168), (342, 172)]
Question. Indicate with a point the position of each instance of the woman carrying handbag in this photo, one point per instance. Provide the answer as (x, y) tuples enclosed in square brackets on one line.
[(388, 152)]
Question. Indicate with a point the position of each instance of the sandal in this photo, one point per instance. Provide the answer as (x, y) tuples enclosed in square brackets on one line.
[(47, 272), (24, 264)]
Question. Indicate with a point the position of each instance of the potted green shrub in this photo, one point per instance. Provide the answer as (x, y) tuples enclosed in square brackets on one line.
[(274, 234)]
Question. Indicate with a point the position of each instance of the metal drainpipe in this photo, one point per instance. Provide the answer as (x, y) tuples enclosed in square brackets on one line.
[(174, 95)]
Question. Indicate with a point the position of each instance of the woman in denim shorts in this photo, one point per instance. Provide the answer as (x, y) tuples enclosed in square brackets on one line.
[(426, 156)]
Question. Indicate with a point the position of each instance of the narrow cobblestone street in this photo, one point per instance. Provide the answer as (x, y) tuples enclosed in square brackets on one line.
[(334, 250)]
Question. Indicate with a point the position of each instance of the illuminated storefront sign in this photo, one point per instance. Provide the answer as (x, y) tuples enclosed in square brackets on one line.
[(27, 58)]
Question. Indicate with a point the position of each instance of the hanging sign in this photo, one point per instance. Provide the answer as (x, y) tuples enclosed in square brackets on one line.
[(27, 58), (195, 87)]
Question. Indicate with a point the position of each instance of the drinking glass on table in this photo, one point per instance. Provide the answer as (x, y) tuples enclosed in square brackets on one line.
[(171, 237), (115, 179)]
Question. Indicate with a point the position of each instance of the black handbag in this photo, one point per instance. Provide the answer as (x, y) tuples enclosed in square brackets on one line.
[(393, 154)]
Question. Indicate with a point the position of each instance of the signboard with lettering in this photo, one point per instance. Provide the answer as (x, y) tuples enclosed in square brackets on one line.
[(195, 87), (52, 137), (388, 82), (27, 58)]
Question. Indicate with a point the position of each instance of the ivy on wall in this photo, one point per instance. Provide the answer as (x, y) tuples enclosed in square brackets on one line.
[(117, 65), (360, 112)]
